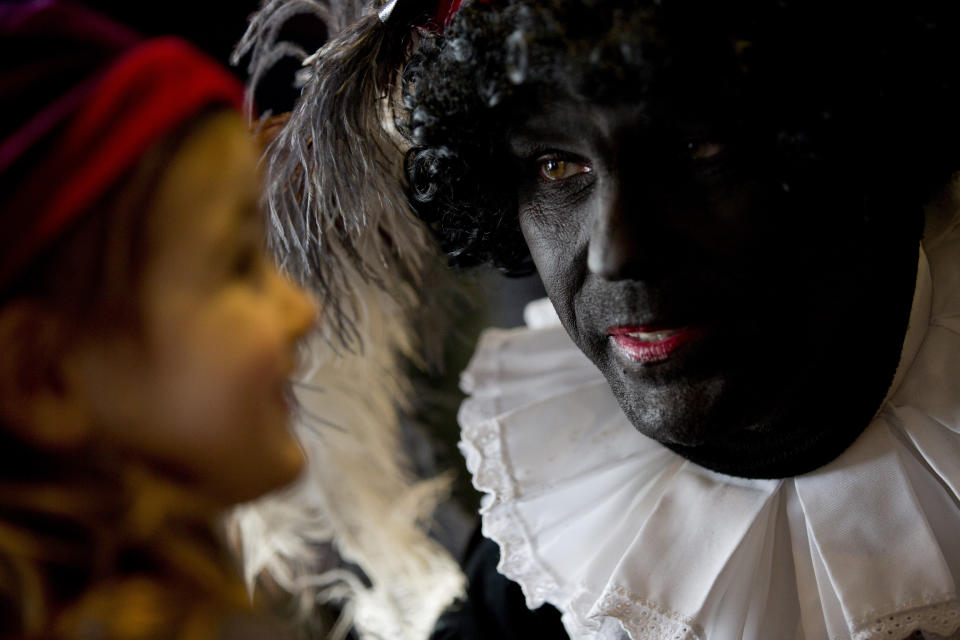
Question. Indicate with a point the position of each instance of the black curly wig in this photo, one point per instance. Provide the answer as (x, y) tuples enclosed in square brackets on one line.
[(815, 94)]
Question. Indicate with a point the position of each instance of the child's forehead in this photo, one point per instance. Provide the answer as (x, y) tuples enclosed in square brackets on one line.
[(205, 206), (215, 164)]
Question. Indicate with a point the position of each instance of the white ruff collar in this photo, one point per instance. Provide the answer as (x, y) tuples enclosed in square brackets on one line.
[(621, 534)]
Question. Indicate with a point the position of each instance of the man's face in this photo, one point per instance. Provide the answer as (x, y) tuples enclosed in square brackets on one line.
[(677, 263)]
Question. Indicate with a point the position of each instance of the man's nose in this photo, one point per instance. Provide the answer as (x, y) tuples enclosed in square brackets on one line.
[(627, 239)]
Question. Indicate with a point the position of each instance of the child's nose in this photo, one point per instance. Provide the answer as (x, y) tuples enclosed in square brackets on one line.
[(298, 307)]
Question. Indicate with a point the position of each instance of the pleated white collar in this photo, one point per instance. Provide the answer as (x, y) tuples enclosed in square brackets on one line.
[(626, 537)]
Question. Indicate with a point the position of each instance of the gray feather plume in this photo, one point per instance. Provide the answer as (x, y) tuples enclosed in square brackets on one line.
[(340, 224), (335, 187)]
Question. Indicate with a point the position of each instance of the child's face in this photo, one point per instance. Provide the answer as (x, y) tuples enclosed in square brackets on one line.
[(200, 389)]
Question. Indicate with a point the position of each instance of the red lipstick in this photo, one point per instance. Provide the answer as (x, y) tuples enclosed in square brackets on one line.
[(645, 344)]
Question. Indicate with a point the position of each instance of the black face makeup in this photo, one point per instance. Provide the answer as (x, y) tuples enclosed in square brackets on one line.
[(743, 325), (726, 222)]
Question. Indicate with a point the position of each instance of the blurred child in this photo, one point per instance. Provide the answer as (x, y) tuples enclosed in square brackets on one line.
[(146, 338)]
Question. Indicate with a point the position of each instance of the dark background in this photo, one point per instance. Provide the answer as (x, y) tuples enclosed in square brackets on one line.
[(213, 26), (216, 27)]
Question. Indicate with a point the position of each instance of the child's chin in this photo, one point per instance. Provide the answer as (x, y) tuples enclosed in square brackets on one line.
[(296, 461), (251, 479), (289, 463)]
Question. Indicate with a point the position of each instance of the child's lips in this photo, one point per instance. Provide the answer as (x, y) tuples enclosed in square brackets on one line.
[(646, 344)]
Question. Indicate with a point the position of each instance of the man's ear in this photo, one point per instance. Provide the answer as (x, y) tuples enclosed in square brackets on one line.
[(37, 401)]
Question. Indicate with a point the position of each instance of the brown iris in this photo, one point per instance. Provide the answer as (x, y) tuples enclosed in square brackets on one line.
[(553, 169)]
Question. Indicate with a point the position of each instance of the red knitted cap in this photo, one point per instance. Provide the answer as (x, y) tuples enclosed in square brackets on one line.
[(122, 96)]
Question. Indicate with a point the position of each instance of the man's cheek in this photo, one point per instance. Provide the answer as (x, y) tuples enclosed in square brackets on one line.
[(554, 272)]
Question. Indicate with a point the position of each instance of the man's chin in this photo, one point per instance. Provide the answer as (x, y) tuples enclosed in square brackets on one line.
[(677, 412), (682, 430), (674, 437)]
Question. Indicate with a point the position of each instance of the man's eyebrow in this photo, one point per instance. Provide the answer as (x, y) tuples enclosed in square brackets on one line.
[(523, 144), (535, 135), (568, 125)]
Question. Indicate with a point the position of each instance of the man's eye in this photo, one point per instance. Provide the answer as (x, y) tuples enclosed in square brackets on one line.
[(553, 169), (703, 149)]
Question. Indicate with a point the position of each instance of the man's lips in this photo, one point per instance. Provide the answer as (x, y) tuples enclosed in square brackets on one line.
[(646, 344)]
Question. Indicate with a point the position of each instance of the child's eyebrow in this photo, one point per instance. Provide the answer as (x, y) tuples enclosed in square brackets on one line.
[(250, 223), (245, 225), (249, 211)]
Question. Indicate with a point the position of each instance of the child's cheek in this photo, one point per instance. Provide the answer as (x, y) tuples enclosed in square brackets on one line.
[(240, 352), (225, 366)]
